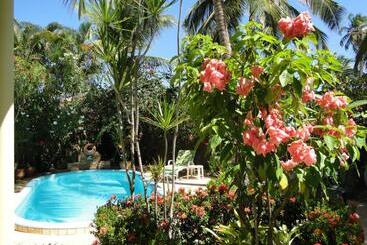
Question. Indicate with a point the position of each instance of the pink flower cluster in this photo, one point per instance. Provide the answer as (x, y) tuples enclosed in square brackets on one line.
[(214, 75), (276, 133), (300, 153), (330, 102), (350, 129), (308, 94), (297, 27), (244, 86)]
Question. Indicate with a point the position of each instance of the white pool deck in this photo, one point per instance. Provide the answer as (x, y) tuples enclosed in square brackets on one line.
[(68, 238)]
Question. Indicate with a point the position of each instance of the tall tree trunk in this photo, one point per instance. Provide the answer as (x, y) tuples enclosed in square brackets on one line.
[(222, 27), (121, 147), (156, 201), (137, 145), (176, 129), (164, 174), (132, 134)]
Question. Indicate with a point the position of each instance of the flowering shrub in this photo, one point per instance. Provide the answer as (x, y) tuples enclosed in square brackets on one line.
[(325, 225), (274, 115), (129, 222)]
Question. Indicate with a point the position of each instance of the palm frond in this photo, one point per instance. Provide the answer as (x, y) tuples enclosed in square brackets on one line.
[(329, 11), (361, 56), (321, 38)]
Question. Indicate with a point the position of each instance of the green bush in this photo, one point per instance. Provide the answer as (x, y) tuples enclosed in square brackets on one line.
[(129, 222), (327, 225)]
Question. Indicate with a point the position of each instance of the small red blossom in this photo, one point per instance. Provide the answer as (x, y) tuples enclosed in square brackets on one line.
[(223, 188), (244, 86), (257, 70), (353, 217), (292, 199), (164, 225)]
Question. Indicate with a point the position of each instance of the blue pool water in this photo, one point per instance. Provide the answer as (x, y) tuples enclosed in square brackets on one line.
[(74, 197)]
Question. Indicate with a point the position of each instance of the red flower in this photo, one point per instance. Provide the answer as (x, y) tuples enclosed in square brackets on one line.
[(198, 210), (164, 224), (292, 199), (244, 86), (181, 190), (297, 27), (214, 75), (353, 217), (257, 70), (223, 188)]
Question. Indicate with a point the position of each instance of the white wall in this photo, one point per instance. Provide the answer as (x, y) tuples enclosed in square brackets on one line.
[(6, 123)]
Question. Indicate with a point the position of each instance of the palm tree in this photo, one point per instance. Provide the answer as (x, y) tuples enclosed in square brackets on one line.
[(361, 57), (122, 34), (355, 31), (356, 36), (201, 18), (222, 28)]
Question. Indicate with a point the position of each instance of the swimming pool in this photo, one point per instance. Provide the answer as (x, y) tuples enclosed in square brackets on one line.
[(73, 197)]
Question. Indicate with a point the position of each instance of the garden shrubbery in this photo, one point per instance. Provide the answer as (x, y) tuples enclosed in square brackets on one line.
[(130, 222)]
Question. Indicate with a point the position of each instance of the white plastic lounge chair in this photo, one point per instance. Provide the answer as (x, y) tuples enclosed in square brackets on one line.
[(184, 161)]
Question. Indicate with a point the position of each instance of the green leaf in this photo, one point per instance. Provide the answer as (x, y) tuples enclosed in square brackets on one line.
[(214, 142), (331, 142), (285, 78), (322, 160), (357, 103)]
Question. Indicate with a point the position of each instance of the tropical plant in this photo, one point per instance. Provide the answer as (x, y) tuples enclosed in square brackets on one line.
[(128, 222), (202, 18), (52, 71), (156, 171), (356, 36), (165, 116), (122, 43), (278, 136)]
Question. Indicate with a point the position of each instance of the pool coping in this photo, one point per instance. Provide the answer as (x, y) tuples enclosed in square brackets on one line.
[(50, 228)]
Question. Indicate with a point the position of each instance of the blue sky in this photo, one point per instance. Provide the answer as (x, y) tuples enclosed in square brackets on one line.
[(42, 12)]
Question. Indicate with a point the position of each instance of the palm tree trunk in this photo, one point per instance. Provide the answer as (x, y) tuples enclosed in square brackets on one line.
[(222, 25)]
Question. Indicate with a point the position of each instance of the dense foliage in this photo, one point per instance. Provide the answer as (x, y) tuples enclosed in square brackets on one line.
[(273, 115), (198, 214), (63, 98), (53, 71), (126, 221)]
